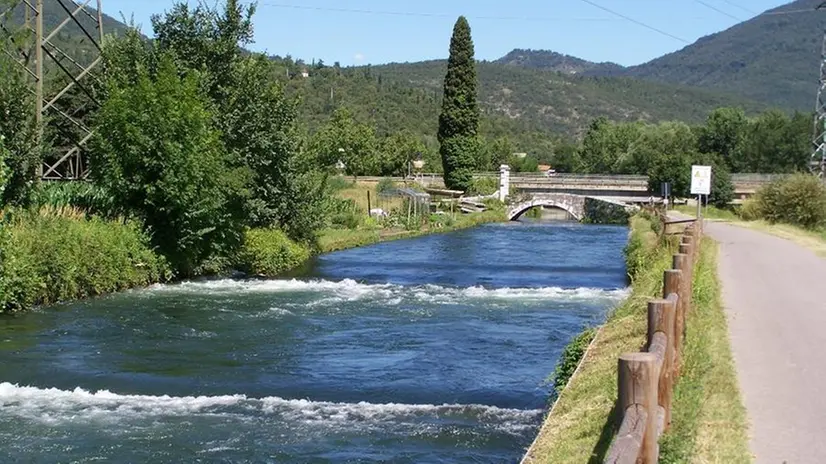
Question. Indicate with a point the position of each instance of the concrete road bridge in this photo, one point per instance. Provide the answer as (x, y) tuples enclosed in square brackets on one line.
[(629, 189)]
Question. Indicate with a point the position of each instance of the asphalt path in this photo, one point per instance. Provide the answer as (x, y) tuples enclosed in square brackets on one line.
[(774, 293)]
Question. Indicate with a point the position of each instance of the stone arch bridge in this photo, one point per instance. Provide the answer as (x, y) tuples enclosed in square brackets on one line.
[(581, 207)]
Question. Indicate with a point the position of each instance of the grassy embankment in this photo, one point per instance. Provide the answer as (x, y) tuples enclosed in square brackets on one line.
[(60, 254), (709, 422), (369, 231)]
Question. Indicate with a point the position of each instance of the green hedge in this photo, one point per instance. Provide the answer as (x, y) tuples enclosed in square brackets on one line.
[(60, 254), (270, 252), (798, 200)]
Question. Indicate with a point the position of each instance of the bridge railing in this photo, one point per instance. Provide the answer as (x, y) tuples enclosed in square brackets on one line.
[(646, 379)]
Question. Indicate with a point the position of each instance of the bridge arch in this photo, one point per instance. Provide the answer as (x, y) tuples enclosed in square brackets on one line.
[(573, 204)]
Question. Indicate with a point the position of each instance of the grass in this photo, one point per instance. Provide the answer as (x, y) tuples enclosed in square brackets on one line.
[(358, 191), (711, 213), (709, 420), (341, 239)]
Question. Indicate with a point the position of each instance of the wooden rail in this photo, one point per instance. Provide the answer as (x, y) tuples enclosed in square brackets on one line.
[(646, 379)]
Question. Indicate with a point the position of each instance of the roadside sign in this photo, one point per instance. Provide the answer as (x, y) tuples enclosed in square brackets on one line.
[(700, 180)]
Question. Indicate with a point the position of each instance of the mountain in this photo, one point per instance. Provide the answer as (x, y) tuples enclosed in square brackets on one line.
[(773, 58), (516, 101), (553, 61)]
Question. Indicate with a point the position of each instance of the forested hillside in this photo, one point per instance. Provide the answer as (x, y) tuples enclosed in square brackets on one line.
[(530, 106), (514, 100), (553, 61), (772, 58)]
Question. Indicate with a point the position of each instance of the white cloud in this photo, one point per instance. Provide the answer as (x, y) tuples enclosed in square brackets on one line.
[(359, 57)]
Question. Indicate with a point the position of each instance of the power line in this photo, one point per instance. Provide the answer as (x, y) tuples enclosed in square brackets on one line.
[(712, 7), (639, 23), (423, 15), (747, 10)]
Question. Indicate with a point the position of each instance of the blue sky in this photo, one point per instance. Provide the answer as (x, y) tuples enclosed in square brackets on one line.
[(398, 31)]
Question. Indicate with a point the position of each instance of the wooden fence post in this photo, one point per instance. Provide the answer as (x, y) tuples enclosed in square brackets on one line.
[(687, 248), (661, 320), (637, 382), (673, 284)]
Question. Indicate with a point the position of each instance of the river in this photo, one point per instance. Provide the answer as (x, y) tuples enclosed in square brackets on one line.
[(429, 350)]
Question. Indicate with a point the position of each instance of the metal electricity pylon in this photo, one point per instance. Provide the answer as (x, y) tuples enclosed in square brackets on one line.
[(58, 73), (818, 161)]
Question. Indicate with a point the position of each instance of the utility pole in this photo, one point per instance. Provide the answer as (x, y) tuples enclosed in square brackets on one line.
[(38, 103), (64, 163), (818, 162)]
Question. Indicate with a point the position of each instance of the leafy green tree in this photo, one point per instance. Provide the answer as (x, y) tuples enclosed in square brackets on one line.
[(156, 151), (666, 152), (19, 128), (724, 133), (722, 188), (497, 152), (459, 118), (397, 152), (256, 119), (207, 40), (349, 141), (566, 158), (606, 145), (777, 143)]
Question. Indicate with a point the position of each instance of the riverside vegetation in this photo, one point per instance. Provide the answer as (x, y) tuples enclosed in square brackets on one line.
[(709, 422), (198, 167), (201, 142)]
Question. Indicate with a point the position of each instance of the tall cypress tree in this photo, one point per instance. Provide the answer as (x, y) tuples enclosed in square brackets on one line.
[(459, 120)]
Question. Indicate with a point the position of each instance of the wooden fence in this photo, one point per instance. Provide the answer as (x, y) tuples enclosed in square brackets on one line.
[(646, 379)]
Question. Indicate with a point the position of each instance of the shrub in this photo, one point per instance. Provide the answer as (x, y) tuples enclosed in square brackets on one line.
[(570, 358), (59, 254), (750, 210), (343, 213), (799, 200), (484, 186), (641, 243), (270, 252), (385, 185), (86, 196)]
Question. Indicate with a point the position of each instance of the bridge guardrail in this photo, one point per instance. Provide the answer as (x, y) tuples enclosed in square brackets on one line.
[(646, 379)]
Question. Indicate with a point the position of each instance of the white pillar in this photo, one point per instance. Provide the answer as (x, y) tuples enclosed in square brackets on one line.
[(504, 182)]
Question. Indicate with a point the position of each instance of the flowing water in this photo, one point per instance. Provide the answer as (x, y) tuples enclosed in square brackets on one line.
[(430, 350)]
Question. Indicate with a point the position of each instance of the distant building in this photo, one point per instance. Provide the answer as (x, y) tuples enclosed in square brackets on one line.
[(305, 73), (520, 155), (543, 167)]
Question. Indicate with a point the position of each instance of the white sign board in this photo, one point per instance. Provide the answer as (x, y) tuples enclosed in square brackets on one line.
[(700, 180)]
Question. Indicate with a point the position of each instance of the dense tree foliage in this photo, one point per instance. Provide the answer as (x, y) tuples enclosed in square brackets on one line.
[(228, 153), (174, 174), (459, 119), (18, 128), (730, 142)]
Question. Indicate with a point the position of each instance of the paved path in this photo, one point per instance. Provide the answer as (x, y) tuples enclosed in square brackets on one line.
[(775, 298)]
